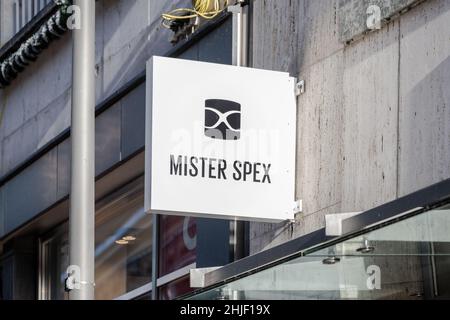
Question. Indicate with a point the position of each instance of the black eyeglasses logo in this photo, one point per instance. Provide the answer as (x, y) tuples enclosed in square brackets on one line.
[(222, 119)]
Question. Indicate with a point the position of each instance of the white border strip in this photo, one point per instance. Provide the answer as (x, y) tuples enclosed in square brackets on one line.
[(161, 281), (176, 275)]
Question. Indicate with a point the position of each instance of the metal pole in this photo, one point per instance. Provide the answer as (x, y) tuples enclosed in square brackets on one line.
[(155, 256), (240, 34), (82, 197), (240, 59)]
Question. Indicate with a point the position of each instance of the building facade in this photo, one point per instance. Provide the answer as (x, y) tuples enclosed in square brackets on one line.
[(373, 127)]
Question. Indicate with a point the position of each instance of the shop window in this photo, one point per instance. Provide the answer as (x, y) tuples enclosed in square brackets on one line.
[(54, 260), (123, 255), (177, 243), (123, 248)]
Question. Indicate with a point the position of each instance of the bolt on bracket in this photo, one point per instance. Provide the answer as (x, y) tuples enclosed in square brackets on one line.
[(300, 88), (298, 207)]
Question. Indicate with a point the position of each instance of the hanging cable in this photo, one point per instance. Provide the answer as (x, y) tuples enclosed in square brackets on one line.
[(206, 9)]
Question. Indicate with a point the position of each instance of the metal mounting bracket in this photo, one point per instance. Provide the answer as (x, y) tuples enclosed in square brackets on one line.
[(235, 9), (298, 207), (197, 276), (333, 223), (300, 88), (237, 6)]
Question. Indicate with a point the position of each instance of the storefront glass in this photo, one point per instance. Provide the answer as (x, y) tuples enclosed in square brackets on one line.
[(123, 255), (177, 243), (407, 259), (123, 248), (175, 289), (54, 260)]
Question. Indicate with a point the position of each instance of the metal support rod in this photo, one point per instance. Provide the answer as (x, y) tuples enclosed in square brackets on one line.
[(240, 34), (82, 196), (155, 256), (240, 59)]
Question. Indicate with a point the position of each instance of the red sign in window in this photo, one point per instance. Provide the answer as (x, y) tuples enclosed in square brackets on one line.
[(177, 243)]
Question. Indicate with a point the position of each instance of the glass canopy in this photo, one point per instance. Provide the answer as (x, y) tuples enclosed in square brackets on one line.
[(405, 259)]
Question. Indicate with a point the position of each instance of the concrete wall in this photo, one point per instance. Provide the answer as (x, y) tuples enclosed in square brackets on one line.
[(36, 107), (6, 21), (374, 122)]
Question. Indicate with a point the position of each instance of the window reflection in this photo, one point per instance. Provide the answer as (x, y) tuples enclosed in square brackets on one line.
[(407, 260), (123, 245), (175, 289), (177, 243), (54, 262), (123, 248)]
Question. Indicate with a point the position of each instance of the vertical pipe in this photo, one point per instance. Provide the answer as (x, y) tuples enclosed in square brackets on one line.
[(155, 257), (240, 59), (82, 197), (240, 35)]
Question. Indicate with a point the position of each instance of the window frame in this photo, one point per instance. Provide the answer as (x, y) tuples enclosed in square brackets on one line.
[(43, 292)]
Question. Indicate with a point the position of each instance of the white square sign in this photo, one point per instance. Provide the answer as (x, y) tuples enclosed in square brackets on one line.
[(220, 141)]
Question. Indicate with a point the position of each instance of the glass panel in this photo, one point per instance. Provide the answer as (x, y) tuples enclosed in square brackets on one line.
[(54, 261), (175, 289), (145, 297), (123, 249), (123, 245), (177, 243), (409, 259)]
